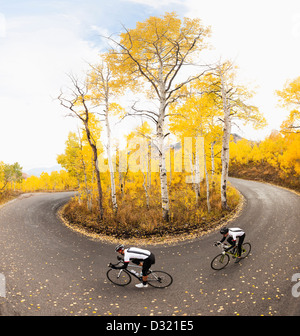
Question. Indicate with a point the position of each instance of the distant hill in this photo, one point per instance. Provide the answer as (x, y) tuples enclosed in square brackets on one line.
[(236, 137), (38, 171)]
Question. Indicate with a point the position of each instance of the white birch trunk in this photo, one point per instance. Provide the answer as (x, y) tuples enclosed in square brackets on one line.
[(161, 148), (193, 176), (146, 192), (212, 156), (197, 173), (144, 167), (110, 164), (207, 183), (163, 175), (149, 166), (225, 143)]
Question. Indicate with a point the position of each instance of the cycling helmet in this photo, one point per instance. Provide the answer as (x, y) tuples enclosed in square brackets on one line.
[(119, 247), (224, 230)]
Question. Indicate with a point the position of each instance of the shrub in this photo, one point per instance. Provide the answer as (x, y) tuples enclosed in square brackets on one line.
[(134, 219)]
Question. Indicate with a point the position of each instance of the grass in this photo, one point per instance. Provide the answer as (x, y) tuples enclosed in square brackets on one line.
[(264, 172), (135, 220), (8, 195)]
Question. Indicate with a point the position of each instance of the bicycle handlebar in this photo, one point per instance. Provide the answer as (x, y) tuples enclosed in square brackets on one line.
[(220, 245), (119, 262), (217, 243)]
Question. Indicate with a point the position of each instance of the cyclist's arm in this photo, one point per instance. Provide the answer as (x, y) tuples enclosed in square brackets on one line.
[(126, 261), (232, 245), (136, 261), (221, 241)]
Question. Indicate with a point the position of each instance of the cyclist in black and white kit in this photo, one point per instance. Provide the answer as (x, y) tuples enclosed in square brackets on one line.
[(233, 234), (137, 256)]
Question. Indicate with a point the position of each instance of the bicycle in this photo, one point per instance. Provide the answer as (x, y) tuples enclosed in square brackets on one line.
[(123, 277), (222, 259)]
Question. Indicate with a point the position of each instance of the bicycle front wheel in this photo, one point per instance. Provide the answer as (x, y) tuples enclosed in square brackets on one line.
[(246, 248), (159, 279), (220, 261), (118, 277)]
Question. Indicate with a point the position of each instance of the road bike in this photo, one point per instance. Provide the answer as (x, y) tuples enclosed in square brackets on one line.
[(222, 259), (123, 277)]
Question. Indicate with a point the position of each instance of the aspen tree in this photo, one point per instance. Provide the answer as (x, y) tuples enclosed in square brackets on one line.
[(78, 102), (196, 116), (151, 57), (226, 137), (233, 100), (104, 88), (289, 97)]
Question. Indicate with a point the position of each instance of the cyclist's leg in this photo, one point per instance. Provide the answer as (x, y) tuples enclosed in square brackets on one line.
[(232, 244), (146, 266), (240, 243)]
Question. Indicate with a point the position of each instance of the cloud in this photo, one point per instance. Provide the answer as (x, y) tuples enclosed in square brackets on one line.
[(41, 41), (2, 25), (156, 4), (261, 37), (35, 56)]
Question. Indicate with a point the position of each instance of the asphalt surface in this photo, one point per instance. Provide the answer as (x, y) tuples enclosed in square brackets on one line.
[(51, 270)]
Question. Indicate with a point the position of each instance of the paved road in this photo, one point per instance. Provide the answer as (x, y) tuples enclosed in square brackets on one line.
[(51, 270)]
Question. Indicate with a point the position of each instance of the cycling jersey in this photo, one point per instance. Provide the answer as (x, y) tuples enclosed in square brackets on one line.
[(135, 253), (235, 232)]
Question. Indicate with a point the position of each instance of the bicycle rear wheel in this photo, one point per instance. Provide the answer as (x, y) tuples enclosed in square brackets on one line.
[(159, 279), (118, 277), (246, 248), (220, 261)]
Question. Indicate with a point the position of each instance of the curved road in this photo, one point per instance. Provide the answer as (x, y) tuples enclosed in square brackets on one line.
[(51, 270)]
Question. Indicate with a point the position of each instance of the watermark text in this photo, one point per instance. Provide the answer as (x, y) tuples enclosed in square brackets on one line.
[(296, 286), (143, 156), (2, 285)]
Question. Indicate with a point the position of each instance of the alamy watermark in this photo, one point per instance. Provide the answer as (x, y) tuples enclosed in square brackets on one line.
[(2, 25), (296, 286), (141, 155), (2, 285)]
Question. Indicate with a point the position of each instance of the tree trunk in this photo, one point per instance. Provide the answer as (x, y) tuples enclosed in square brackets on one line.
[(146, 191), (207, 183), (162, 155), (88, 196), (212, 158), (163, 177), (225, 144), (149, 166), (95, 161), (110, 165), (197, 172), (225, 164)]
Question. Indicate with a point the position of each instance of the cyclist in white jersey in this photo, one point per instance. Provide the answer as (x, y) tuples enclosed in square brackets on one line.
[(137, 256), (232, 234)]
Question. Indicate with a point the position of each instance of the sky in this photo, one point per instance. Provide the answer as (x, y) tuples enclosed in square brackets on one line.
[(41, 41)]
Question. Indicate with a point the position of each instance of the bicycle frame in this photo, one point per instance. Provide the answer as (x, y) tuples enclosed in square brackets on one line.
[(232, 251), (131, 273), (140, 277)]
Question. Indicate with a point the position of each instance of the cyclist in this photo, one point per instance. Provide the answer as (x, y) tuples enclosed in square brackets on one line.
[(233, 234), (138, 256)]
